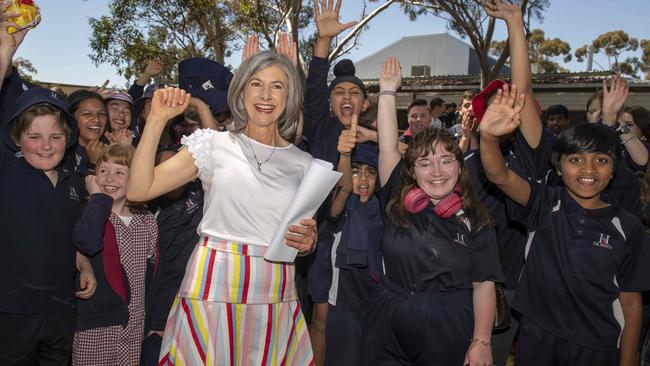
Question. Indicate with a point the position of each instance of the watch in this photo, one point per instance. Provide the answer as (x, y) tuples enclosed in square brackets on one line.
[(623, 129)]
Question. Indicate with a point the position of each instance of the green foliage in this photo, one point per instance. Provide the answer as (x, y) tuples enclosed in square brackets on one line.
[(135, 32), (25, 68), (614, 44)]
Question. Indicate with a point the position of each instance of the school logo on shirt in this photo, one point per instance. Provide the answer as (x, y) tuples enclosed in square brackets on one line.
[(460, 239), (190, 205), (603, 242), (74, 195), (207, 85)]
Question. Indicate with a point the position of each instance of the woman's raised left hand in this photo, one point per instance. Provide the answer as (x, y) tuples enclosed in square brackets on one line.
[(302, 237)]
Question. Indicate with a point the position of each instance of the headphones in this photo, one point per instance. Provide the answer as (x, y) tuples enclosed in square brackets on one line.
[(417, 200)]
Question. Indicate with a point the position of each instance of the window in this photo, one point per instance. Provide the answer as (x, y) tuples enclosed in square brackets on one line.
[(421, 70)]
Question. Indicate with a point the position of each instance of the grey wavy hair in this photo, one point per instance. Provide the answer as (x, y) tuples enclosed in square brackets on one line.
[(289, 119)]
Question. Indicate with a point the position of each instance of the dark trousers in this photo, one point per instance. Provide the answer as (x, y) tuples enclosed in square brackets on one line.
[(36, 339), (344, 336), (537, 347), (421, 329), (150, 350)]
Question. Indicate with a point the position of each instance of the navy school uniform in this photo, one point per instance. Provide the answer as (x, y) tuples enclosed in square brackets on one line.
[(356, 268), (37, 265), (578, 261), (422, 313), (321, 128)]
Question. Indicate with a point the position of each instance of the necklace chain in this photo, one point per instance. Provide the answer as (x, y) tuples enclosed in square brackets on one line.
[(257, 161)]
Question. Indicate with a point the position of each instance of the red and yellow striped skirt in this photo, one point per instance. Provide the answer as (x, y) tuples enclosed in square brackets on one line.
[(235, 308)]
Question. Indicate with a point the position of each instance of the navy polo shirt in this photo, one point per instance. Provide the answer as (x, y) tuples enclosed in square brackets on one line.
[(321, 128), (436, 255), (37, 256), (578, 261)]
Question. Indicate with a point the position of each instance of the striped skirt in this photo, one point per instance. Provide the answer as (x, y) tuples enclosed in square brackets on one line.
[(235, 308)]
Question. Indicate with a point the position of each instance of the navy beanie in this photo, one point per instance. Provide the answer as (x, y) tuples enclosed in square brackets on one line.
[(366, 153), (344, 72)]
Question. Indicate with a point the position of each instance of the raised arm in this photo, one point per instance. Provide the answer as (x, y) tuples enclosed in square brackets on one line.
[(387, 134), (614, 99), (328, 26), (9, 43), (531, 124), (147, 182), (347, 142), (501, 118)]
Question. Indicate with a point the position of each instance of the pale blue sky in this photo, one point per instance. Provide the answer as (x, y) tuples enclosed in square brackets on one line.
[(59, 47)]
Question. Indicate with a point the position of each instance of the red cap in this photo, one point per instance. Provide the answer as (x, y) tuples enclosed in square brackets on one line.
[(480, 101)]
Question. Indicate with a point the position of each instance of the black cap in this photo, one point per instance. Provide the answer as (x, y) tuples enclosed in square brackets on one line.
[(344, 72), (30, 98), (207, 80)]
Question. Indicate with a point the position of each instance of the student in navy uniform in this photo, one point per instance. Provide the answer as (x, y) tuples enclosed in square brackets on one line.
[(329, 110), (355, 259), (178, 214), (89, 110), (585, 264), (40, 202), (436, 305)]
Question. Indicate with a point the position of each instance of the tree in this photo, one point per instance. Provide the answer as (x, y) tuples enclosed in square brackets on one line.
[(614, 44), (25, 68), (468, 19), (542, 50), (136, 31)]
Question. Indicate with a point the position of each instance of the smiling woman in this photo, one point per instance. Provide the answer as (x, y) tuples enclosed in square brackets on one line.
[(250, 301)]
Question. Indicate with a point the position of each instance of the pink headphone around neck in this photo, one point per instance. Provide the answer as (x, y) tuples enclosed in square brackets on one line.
[(417, 200)]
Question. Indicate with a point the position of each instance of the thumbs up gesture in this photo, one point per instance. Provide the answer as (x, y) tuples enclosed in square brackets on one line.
[(349, 138)]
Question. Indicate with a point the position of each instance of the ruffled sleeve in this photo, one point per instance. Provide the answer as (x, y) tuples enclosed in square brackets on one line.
[(199, 144)]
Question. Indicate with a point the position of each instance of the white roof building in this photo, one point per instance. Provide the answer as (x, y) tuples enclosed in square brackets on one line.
[(425, 55)]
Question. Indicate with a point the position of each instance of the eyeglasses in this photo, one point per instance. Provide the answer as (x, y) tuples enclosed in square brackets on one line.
[(368, 173), (426, 166)]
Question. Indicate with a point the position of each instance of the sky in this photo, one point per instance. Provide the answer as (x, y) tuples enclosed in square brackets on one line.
[(59, 47)]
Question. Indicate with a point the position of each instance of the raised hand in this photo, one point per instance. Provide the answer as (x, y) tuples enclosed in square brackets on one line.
[(154, 67), (287, 46), (503, 114), (349, 138), (93, 149), (9, 43), (327, 19), (391, 75), (614, 98), (468, 125), (503, 10), (168, 103), (123, 136), (92, 186), (251, 47)]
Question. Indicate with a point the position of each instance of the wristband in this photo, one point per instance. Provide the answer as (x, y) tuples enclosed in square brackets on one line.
[(481, 341), (628, 140), (387, 92)]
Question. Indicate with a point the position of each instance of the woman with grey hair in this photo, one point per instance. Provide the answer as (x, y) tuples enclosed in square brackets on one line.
[(235, 307)]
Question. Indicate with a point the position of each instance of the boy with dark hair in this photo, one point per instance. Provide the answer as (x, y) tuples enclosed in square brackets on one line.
[(557, 118)]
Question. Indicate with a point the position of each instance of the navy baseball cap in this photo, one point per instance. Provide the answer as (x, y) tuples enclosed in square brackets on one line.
[(30, 98), (207, 80), (366, 153)]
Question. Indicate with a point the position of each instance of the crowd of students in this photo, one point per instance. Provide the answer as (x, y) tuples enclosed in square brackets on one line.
[(135, 223)]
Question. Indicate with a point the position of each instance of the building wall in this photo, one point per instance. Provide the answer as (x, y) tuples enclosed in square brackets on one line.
[(445, 54)]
